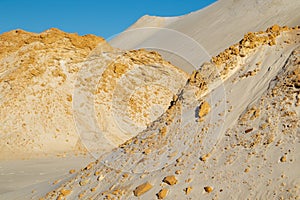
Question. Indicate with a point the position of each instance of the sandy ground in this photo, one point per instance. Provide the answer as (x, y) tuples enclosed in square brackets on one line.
[(19, 174)]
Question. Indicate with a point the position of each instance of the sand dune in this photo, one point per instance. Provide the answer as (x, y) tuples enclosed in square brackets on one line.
[(220, 121), (248, 138), (213, 29)]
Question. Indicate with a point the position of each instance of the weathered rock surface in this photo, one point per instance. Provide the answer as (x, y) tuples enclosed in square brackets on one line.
[(42, 76)]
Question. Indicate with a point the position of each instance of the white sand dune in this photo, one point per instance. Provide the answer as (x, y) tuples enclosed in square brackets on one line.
[(213, 28), (229, 130)]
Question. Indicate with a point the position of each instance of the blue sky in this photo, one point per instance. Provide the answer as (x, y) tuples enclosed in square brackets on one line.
[(102, 18)]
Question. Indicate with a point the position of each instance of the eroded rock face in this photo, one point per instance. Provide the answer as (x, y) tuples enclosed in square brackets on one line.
[(40, 74), (226, 60), (37, 73), (12, 41), (134, 90)]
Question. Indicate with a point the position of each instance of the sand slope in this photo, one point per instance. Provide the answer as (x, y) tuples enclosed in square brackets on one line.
[(242, 144)]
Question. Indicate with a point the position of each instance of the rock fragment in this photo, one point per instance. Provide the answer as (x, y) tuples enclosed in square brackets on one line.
[(65, 192), (162, 193), (84, 182), (188, 190), (208, 189), (205, 157), (283, 159), (141, 189), (204, 109), (171, 180)]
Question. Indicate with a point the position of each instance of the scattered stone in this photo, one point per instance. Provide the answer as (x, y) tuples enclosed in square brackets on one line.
[(117, 192), (205, 157), (97, 173), (65, 192), (204, 109), (208, 189), (249, 130), (125, 175), (100, 178), (178, 172), (89, 166), (84, 182), (147, 151), (188, 190), (162, 193), (188, 180), (171, 180), (56, 181), (60, 197), (141, 189), (80, 196), (283, 159)]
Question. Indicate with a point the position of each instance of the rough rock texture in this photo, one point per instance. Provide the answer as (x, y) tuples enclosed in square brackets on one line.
[(37, 73), (123, 96), (42, 76), (228, 58)]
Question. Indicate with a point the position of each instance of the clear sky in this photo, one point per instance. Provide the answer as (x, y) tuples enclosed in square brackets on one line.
[(99, 17)]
